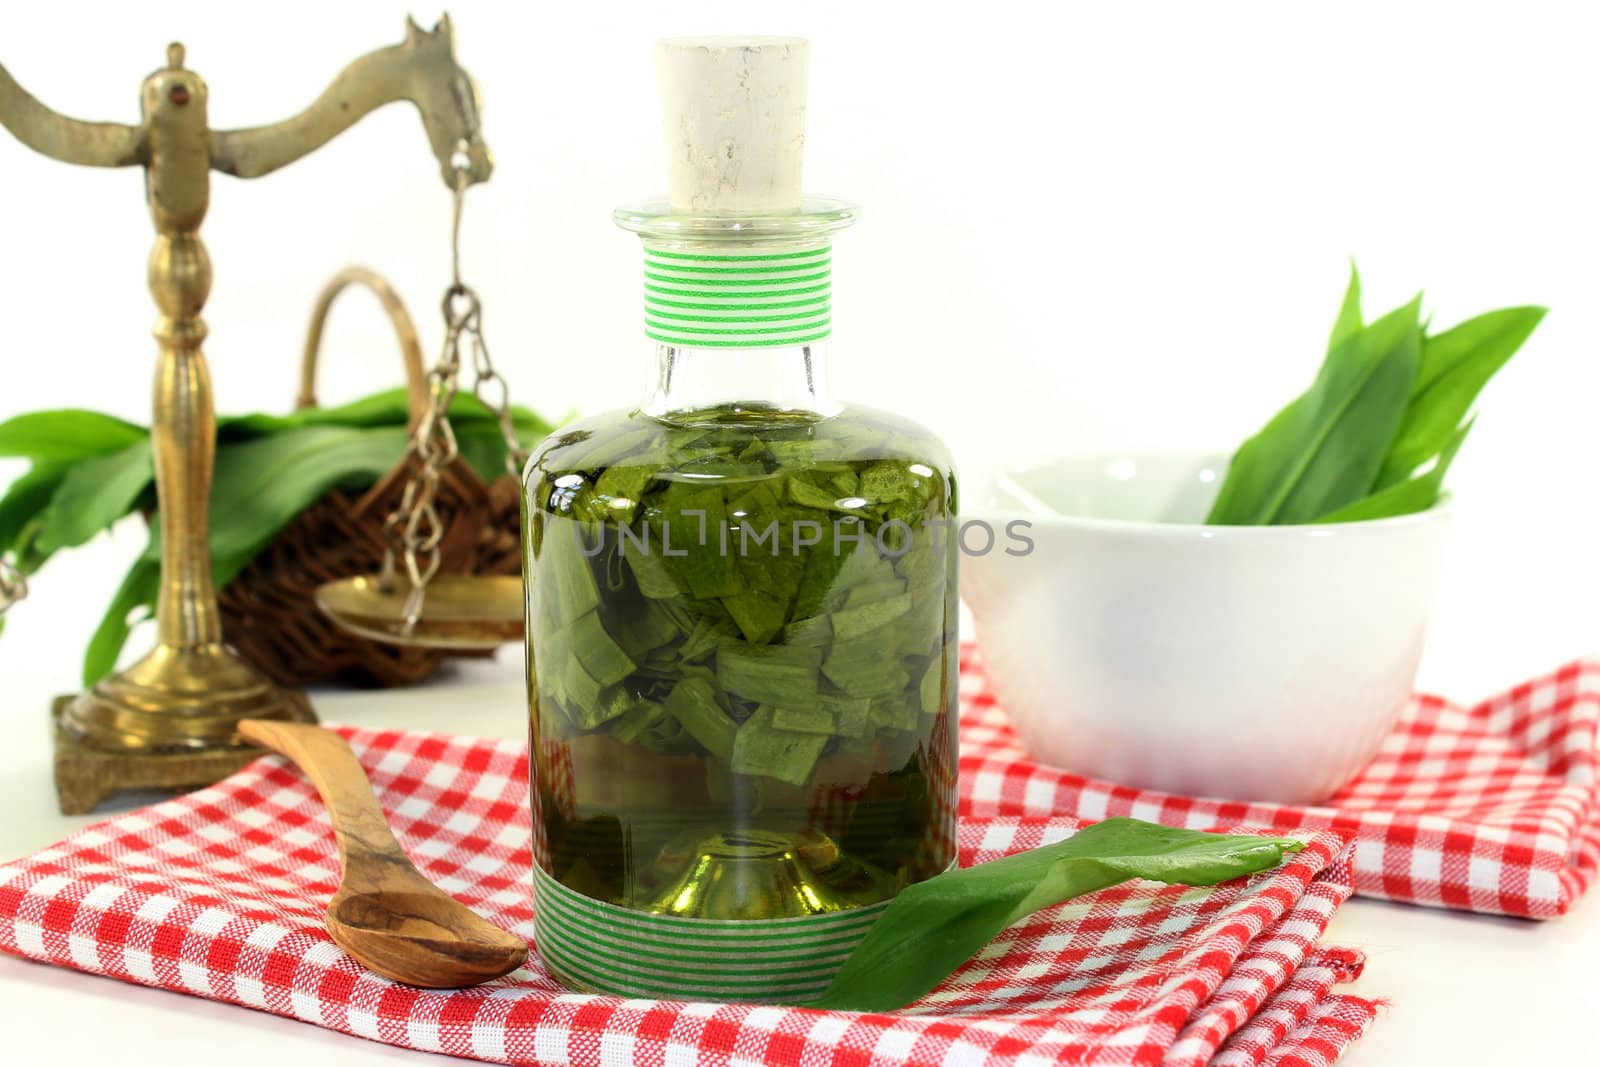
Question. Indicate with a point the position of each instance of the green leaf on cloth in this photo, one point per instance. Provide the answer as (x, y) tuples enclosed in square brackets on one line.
[(931, 928)]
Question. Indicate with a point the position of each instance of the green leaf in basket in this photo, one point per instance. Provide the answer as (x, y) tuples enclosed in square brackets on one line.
[(25, 504), (933, 927), (260, 486), (137, 594), (65, 436), (387, 408), (96, 493), (482, 445), (1326, 448), (1403, 498), (89, 469), (1456, 365)]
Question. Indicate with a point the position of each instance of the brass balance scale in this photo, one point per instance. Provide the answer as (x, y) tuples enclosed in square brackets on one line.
[(170, 720)]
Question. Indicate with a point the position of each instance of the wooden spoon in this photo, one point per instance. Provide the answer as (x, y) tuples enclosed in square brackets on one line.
[(386, 914)]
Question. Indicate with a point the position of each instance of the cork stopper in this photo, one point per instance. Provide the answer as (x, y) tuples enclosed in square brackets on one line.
[(734, 111)]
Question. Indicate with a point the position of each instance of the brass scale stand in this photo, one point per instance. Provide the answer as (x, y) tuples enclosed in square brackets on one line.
[(169, 721)]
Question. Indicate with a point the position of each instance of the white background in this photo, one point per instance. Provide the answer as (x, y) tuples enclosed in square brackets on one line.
[(1087, 228)]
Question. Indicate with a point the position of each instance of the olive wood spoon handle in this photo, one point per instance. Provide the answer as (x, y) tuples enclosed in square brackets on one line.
[(386, 914)]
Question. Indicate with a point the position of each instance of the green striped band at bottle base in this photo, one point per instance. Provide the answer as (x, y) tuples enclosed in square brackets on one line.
[(593, 946), (738, 299)]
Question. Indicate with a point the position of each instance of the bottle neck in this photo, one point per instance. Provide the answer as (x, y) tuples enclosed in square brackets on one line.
[(737, 325), (784, 377)]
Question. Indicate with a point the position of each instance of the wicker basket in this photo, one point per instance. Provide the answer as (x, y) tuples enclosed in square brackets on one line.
[(269, 613)]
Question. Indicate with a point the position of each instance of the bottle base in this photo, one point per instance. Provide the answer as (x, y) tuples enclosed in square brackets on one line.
[(592, 946)]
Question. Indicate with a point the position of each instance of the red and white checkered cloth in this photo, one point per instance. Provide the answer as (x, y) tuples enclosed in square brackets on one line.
[(1490, 808), (221, 894)]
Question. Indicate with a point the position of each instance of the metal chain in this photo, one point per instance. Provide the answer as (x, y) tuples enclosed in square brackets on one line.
[(13, 584), (415, 531)]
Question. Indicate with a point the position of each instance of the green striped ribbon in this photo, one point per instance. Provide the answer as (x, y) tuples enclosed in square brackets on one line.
[(592, 946), (737, 300)]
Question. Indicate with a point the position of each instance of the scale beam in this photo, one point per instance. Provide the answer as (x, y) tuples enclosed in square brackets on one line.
[(170, 720)]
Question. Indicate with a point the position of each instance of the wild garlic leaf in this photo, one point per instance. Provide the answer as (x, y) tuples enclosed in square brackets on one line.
[(1403, 498), (387, 408), (1350, 450), (1455, 367), (65, 436), (1275, 478), (1499, 333), (781, 675), (95, 494), (26, 501), (693, 702), (483, 447), (931, 928), (1349, 322), (763, 747), (1250, 469), (100, 467), (1326, 448), (138, 590), (260, 486), (774, 632)]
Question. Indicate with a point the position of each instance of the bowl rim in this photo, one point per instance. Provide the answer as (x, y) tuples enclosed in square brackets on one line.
[(1440, 512)]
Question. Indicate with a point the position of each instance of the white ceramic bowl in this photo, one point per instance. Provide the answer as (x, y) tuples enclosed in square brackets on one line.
[(1138, 645)]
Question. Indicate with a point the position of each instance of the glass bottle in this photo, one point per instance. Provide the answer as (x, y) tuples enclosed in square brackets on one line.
[(741, 639)]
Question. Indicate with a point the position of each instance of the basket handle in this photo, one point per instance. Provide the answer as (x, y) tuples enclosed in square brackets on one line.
[(405, 332)]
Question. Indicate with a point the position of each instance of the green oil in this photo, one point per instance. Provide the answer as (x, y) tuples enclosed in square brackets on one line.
[(742, 646)]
